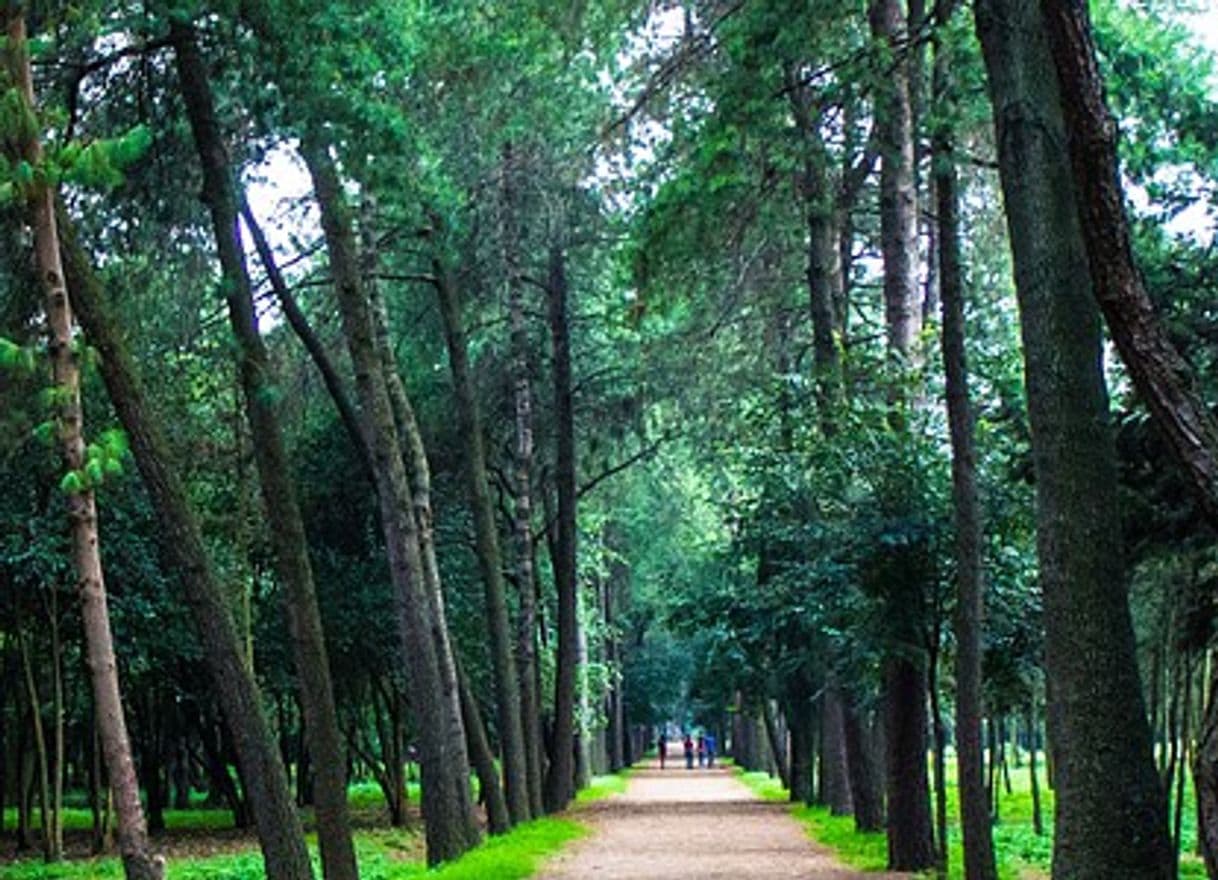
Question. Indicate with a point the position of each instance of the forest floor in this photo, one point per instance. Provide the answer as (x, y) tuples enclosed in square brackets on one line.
[(675, 824)]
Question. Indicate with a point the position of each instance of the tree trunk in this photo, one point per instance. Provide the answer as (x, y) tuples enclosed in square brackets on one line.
[(1162, 377), (270, 800), (435, 698), (865, 786), (522, 514), (910, 838), (979, 863), (291, 552), (835, 771), (138, 860), (490, 559), (40, 746), (559, 787), (1038, 822), (1110, 819), (775, 741), (497, 816)]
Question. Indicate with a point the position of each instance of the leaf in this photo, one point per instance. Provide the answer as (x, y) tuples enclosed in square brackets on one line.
[(72, 483)]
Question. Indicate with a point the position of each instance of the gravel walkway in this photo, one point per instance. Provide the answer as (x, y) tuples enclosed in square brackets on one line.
[(679, 824)]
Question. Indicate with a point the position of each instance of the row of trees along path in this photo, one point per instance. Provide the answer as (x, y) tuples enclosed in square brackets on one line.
[(679, 823)]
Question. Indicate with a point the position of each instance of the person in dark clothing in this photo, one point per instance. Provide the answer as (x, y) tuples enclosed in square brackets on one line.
[(662, 748), (689, 752)]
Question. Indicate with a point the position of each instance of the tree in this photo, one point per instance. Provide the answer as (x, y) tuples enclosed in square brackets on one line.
[(1110, 819), (86, 466)]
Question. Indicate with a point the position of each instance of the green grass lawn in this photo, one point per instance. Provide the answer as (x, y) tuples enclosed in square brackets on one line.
[(384, 853), (1021, 853)]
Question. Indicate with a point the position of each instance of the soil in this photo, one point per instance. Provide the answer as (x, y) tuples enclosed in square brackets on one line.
[(700, 824)]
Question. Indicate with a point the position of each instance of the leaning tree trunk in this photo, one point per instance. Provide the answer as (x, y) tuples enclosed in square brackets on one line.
[(291, 552), (1162, 377), (266, 783), (490, 559), (560, 779), (435, 698), (979, 861), (139, 863), (1110, 819)]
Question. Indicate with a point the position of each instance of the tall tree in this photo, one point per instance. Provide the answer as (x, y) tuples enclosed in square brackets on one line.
[(291, 551), (1110, 819), (262, 771), (490, 558), (560, 778), (139, 862), (434, 692), (970, 573), (910, 838)]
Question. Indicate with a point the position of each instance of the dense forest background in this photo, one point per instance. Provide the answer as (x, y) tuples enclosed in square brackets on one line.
[(397, 391)]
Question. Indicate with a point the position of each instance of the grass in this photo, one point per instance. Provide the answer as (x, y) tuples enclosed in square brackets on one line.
[(1020, 852), (384, 853)]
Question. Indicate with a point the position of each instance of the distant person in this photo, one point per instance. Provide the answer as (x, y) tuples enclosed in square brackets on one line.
[(689, 752), (662, 748), (709, 740), (701, 750)]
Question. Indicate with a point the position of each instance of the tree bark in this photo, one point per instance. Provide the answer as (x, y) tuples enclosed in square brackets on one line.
[(835, 770), (1110, 819), (490, 559), (560, 779), (522, 513), (139, 863), (979, 863), (483, 759), (291, 553), (270, 800), (1161, 376), (865, 786), (435, 698), (775, 741)]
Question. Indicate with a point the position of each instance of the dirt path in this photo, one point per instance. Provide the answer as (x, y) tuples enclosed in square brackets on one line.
[(680, 824)]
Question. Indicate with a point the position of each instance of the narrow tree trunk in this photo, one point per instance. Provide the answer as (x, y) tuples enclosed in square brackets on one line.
[(435, 697), (939, 742), (1110, 819), (270, 800), (291, 553), (57, 714), (40, 745), (138, 860), (835, 771), (559, 787), (979, 863), (490, 559), (775, 741), (865, 786), (483, 759), (1038, 822)]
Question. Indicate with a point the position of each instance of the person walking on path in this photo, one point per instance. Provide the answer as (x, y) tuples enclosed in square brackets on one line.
[(689, 752), (662, 748), (709, 741), (701, 750)]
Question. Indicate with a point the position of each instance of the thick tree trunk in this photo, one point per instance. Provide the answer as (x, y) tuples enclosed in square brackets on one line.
[(1162, 377), (560, 778), (435, 698), (139, 863), (910, 838), (291, 553), (270, 800), (979, 861), (490, 559), (1110, 819)]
